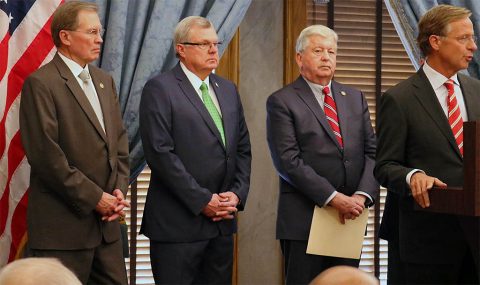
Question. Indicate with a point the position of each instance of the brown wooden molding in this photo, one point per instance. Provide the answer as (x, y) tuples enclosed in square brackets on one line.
[(229, 65), (295, 20)]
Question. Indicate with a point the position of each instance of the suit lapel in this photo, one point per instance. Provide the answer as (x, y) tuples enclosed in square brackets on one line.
[(429, 101), (341, 102), (103, 98), (307, 96), (193, 97), (79, 95), (226, 109)]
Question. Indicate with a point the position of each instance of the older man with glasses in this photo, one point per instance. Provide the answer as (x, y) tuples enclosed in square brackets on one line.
[(196, 143), (77, 147)]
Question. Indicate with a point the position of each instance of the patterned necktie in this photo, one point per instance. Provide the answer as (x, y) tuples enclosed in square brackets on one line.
[(454, 115), (330, 109), (212, 109), (91, 96)]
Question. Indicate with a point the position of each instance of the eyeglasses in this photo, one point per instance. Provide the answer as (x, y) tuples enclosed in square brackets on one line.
[(91, 32), (464, 39), (203, 45)]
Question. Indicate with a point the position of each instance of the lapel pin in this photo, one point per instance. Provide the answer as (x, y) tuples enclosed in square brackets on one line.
[(101, 85), (343, 93), (216, 84)]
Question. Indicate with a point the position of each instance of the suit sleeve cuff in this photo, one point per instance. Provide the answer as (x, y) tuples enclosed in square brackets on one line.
[(330, 198), (410, 174)]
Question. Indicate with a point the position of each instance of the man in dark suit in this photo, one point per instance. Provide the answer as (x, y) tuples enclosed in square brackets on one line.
[(196, 143), (323, 147), (77, 147), (420, 145)]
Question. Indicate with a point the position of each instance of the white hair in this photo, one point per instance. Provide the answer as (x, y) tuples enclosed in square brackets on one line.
[(314, 30)]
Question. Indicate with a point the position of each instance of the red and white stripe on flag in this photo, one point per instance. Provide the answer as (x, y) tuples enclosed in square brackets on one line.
[(25, 45)]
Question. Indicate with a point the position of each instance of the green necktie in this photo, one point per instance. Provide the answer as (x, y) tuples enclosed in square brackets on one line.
[(207, 100)]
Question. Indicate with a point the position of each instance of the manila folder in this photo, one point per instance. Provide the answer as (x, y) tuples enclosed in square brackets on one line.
[(331, 238)]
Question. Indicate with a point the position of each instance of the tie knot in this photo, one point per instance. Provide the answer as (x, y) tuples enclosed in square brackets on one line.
[(449, 85), (326, 90), (84, 75), (203, 87)]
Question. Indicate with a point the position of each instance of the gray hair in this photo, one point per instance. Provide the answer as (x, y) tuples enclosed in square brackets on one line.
[(182, 31), (314, 30)]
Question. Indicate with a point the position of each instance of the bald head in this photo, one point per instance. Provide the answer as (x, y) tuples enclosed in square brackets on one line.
[(344, 275), (34, 270)]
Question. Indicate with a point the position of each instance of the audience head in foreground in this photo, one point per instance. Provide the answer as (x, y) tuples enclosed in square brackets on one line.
[(344, 275), (35, 270)]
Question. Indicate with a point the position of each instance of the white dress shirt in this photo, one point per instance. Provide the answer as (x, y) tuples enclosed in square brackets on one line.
[(76, 69)]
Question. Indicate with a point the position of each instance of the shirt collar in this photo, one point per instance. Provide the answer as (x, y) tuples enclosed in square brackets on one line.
[(317, 88), (436, 78), (74, 67), (193, 78)]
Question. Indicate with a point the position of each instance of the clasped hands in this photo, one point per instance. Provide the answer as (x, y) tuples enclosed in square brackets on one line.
[(111, 207), (222, 206), (348, 207)]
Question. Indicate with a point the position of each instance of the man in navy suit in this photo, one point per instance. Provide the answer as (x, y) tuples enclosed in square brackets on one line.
[(197, 145), (323, 149), (420, 145)]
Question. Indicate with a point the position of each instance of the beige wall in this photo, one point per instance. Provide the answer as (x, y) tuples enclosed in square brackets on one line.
[(261, 73)]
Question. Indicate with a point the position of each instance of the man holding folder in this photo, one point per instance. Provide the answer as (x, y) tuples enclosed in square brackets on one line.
[(323, 147)]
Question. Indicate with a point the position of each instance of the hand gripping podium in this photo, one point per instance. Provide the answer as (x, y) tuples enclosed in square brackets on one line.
[(457, 200)]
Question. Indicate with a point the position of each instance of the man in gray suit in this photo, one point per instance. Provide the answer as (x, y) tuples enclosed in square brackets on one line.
[(420, 145), (197, 145), (323, 147), (77, 147)]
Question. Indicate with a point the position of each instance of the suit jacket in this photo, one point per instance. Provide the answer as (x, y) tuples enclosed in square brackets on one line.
[(72, 160), (414, 133), (189, 163), (308, 158)]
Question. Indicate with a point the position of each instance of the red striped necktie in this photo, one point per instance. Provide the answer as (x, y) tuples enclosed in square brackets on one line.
[(330, 109), (454, 115)]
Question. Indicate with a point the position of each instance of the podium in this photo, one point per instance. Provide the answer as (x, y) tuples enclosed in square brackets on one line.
[(457, 200)]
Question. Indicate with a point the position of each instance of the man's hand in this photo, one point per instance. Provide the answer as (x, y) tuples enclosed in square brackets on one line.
[(347, 207), (107, 205), (122, 203), (229, 199), (360, 199), (420, 183), (232, 199), (111, 206), (220, 208)]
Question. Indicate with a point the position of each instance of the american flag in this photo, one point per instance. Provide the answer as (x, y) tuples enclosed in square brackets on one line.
[(25, 45)]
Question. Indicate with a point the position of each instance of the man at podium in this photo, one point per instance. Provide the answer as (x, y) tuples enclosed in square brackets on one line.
[(420, 145)]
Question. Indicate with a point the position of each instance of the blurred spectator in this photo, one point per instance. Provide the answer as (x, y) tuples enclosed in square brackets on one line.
[(344, 275), (35, 270)]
